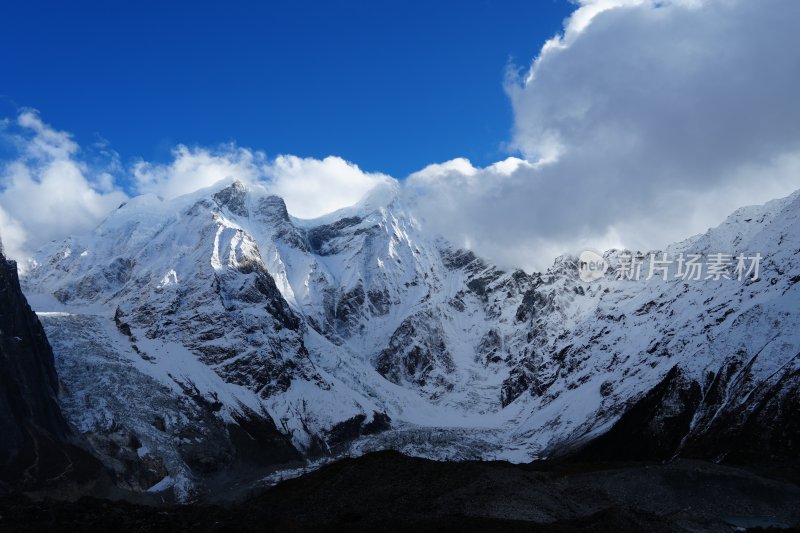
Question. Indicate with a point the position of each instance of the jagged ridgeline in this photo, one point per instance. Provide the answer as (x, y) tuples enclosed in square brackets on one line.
[(180, 326)]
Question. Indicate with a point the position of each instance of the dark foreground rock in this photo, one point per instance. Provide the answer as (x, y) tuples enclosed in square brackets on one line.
[(683, 418), (389, 491), (37, 448)]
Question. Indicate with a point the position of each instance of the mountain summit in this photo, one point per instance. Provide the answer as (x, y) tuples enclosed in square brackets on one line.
[(182, 325)]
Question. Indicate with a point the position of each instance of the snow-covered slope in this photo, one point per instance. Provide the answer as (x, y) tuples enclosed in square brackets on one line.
[(360, 330), (601, 345)]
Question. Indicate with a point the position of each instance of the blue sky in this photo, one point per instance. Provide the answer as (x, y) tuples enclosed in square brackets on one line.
[(641, 122), (391, 86)]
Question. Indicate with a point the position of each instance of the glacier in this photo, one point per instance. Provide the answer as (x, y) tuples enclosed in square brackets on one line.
[(179, 325)]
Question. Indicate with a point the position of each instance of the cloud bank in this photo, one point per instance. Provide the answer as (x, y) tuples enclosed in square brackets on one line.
[(644, 122), (310, 187), (52, 188), (47, 192)]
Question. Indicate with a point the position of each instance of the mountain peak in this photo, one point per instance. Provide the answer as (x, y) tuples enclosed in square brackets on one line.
[(322, 323), (234, 198)]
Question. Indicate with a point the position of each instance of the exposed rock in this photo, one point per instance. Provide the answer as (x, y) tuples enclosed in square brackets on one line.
[(417, 354), (321, 238), (37, 446), (233, 198)]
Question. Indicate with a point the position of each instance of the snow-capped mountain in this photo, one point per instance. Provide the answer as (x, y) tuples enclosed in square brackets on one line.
[(721, 352), (183, 328)]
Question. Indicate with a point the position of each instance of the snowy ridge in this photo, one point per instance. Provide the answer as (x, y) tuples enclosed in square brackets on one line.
[(358, 330)]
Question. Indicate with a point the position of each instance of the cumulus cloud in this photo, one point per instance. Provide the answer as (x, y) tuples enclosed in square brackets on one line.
[(644, 122), (46, 191), (51, 188), (311, 187), (314, 187), (12, 236), (196, 168)]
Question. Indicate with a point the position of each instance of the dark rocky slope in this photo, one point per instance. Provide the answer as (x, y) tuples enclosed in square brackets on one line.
[(36, 445), (387, 491), (683, 418)]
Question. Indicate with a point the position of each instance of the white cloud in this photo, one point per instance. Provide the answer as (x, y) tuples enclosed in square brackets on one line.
[(49, 191), (12, 236), (46, 192), (645, 122), (313, 187), (196, 168)]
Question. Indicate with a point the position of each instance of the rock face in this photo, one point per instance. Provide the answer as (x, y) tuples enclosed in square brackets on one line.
[(360, 330), (725, 355), (389, 491), (36, 446), (741, 424), (417, 355)]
